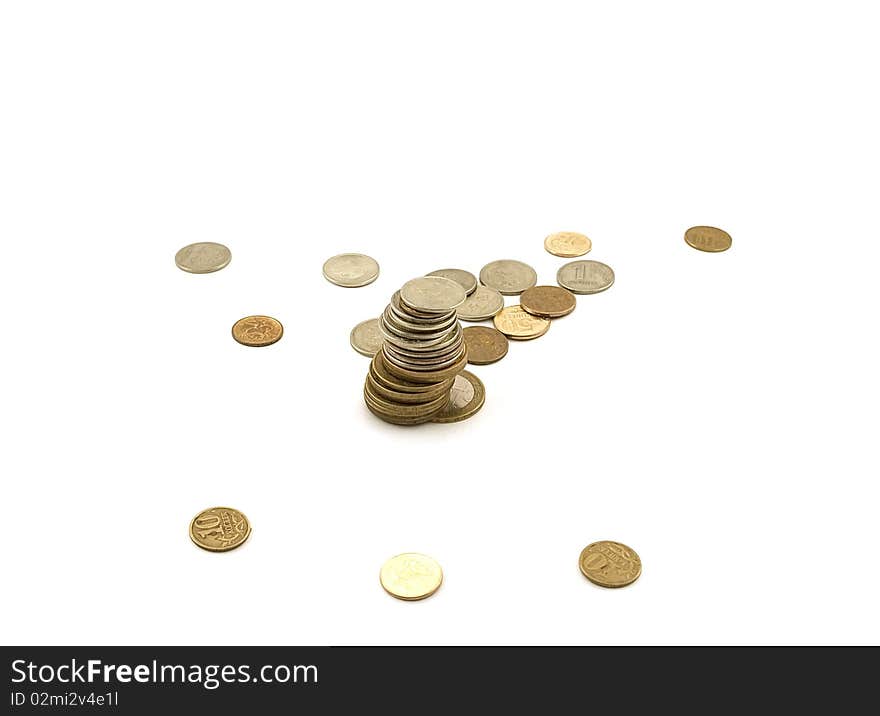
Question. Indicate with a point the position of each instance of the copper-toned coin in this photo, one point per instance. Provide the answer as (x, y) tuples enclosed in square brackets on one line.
[(516, 323), (485, 345), (465, 399), (708, 238), (610, 564), (257, 331), (219, 529), (547, 301), (568, 244)]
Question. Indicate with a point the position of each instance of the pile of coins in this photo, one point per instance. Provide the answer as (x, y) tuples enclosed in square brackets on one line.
[(423, 350)]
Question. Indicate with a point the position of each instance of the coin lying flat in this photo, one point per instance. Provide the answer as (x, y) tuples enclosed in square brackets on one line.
[(610, 564), (257, 331), (708, 238), (585, 277), (432, 294), (516, 323), (219, 529), (485, 345), (203, 257), (467, 396), (465, 279), (568, 244), (351, 270), (547, 301), (508, 277), (366, 338), (411, 576), (481, 305)]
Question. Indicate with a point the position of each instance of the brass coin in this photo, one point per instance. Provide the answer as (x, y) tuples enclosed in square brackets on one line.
[(485, 345), (547, 301), (481, 305), (219, 529), (585, 276), (380, 373), (610, 564), (351, 270), (467, 396), (464, 278), (257, 331), (708, 238), (508, 277), (366, 338), (203, 257), (516, 323), (568, 244), (411, 576)]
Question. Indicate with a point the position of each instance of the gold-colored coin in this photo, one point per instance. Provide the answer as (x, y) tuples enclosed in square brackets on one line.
[(257, 331), (568, 244), (610, 564), (708, 238), (467, 396), (219, 529), (520, 325), (547, 301), (485, 345), (411, 576)]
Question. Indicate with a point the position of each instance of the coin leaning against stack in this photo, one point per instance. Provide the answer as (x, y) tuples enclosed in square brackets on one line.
[(423, 351)]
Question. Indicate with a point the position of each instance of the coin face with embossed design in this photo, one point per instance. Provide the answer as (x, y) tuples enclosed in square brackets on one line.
[(351, 270), (219, 529), (203, 257), (568, 244), (467, 396), (585, 277), (610, 564), (508, 277), (432, 294), (464, 278), (547, 301), (520, 325), (257, 331), (366, 338), (708, 238), (485, 345), (481, 305), (411, 576)]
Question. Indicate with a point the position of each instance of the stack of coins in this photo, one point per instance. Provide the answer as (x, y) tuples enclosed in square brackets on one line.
[(423, 351)]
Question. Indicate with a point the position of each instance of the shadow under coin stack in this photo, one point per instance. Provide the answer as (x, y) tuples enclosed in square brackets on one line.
[(423, 351)]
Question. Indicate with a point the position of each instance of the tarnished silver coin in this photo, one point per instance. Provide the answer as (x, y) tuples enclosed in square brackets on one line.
[(508, 277), (432, 294), (585, 277), (464, 278), (481, 305), (203, 257), (366, 338), (351, 270)]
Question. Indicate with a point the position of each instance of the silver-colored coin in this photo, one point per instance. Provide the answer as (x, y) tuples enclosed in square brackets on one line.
[(481, 305), (463, 278), (203, 257), (425, 367), (432, 294), (407, 313), (366, 338), (434, 345), (407, 323), (585, 277), (508, 277), (351, 270)]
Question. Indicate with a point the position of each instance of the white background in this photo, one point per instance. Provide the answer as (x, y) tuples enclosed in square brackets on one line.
[(718, 413)]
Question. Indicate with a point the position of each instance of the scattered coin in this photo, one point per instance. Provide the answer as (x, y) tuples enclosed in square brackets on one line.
[(481, 305), (547, 301), (708, 238), (411, 576), (219, 529), (585, 277), (610, 564), (432, 294), (467, 396), (485, 345), (351, 270), (366, 338), (203, 257), (464, 278), (568, 244), (516, 323), (257, 331), (508, 277)]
